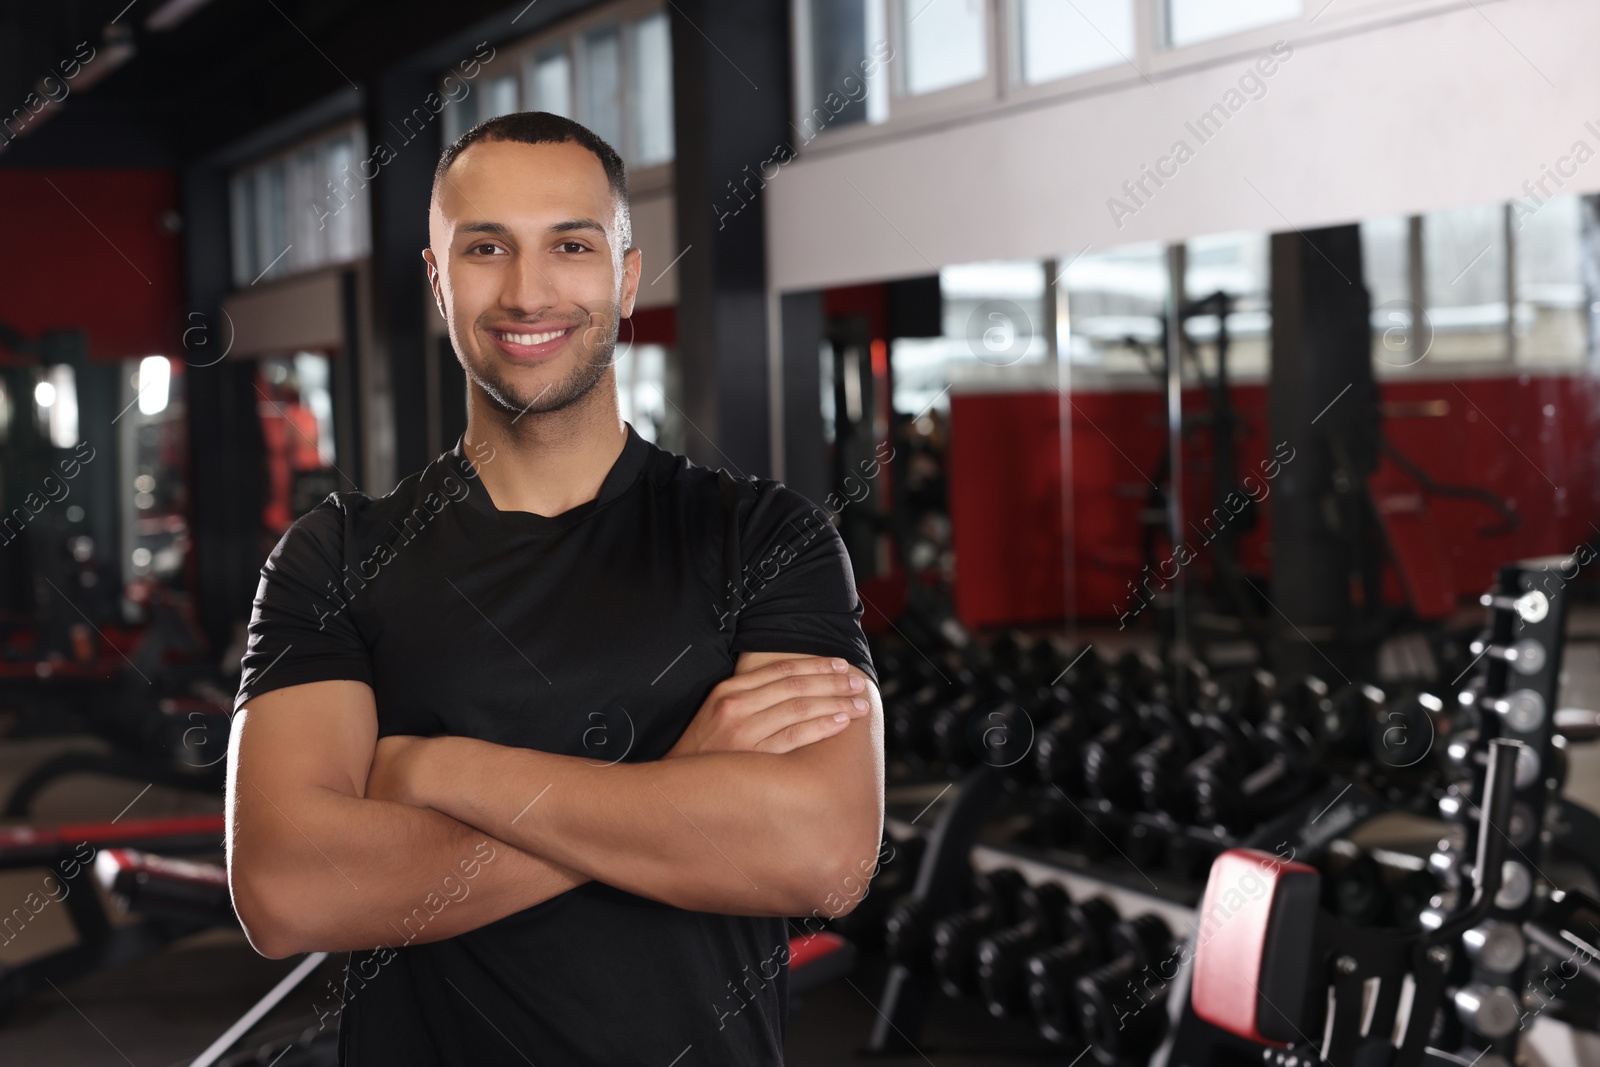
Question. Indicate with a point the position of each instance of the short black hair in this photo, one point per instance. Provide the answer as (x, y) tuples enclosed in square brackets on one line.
[(544, 127)]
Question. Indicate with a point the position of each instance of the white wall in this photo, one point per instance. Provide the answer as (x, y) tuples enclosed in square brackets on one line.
[(1455, 107)]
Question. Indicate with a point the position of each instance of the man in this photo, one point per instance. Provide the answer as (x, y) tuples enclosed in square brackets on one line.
[(553, 735)]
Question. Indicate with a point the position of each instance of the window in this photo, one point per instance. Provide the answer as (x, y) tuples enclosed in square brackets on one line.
[(615, 77), (1116, 301), (993, 322), (1236, 264), (600, 75), (945, 43), (650, 99), (1055, 39), (499, 98), (549, 77), (1400, 336), (1549, 306), (1192, 21), (300, 210), (845, 42), (1464, 282), (641, 388)]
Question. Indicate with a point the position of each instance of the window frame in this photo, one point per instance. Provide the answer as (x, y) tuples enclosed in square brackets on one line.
[(1003, 88), (517, 58)]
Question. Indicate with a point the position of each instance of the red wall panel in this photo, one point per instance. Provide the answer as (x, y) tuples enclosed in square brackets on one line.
[(86, 249), (1532, 440)]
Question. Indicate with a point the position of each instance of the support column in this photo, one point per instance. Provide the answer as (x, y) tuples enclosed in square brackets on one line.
[(1322, 404), (731, 101)]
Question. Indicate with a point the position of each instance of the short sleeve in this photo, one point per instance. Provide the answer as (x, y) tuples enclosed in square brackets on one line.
[(301, 628), (795, 591)]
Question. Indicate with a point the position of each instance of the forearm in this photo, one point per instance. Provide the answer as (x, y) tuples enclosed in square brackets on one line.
[(739, 833), (336, 872)]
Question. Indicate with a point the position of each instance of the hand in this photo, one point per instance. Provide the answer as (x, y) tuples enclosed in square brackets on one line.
[(778, 707), (396, 761)]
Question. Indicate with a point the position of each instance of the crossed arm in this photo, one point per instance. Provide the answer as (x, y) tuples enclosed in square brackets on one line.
[(767, 805)]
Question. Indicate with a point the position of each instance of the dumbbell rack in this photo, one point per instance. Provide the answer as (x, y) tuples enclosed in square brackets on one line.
[(954, 848), (1513, 697)]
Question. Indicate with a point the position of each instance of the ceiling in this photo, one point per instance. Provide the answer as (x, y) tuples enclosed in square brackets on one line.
[(228, 68)]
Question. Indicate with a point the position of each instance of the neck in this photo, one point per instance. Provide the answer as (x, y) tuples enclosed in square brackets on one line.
[(547, 462)]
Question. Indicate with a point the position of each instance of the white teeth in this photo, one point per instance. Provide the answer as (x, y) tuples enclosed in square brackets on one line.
[(532, 338)]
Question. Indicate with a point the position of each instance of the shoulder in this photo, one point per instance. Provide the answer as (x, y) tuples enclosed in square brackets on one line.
[(752, 508), (354, 520)]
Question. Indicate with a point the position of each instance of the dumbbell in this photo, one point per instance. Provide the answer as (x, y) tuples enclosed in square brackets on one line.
[(909, 932), (1344, 725), (1225, 750), (1082, 670), (1058, 757), (1118, 1031), (1001, 955), (1246, 694), (1052, 973), (1156, 767), (1011, 655), (955, 937), (1401, 736), (1138, 676), (1352, 884), (986, 725), (1112, 759), (1302, 699), (1121, 1031), (1363, 891), (1285, 758)]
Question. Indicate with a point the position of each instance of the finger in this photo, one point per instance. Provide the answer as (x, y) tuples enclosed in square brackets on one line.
[(794, 666), (789, 713), (803, 733), (799, 687)]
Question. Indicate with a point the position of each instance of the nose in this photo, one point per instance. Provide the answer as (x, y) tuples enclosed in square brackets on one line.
[(528, 290)]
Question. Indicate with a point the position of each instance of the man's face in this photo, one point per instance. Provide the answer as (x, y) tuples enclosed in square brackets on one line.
[(524, 267)]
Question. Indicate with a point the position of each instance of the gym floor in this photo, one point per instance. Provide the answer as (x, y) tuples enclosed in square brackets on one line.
[(163, 1010)]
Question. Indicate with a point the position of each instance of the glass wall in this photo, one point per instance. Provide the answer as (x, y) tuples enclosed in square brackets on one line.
[(1489, 285), (1548, 298), (1230, 270), (993, 317)]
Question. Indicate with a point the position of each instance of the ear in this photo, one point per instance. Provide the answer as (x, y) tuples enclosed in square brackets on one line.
[(435, 281), (632, 261)]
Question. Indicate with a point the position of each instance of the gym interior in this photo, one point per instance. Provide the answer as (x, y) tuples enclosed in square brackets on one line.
[(1206, 393)]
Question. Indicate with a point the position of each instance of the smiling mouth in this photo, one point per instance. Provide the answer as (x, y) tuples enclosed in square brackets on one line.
[(530, 338)]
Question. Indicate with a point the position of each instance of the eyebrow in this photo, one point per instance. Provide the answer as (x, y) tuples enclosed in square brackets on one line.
[(500, 229)]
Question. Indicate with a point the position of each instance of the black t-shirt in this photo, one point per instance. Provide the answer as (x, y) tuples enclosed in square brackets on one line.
[(596, 633)]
